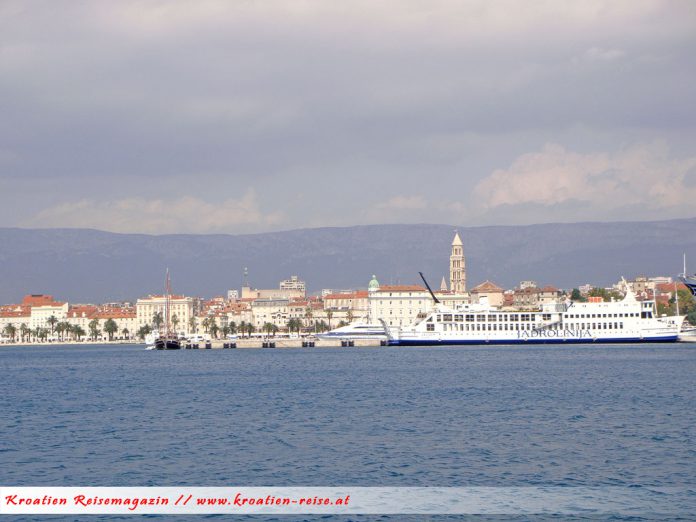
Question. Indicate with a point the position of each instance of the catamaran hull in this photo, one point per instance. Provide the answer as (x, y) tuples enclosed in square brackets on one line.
[(167, 344)]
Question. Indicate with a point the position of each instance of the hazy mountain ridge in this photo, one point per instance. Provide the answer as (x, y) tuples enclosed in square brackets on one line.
[(84, 265)]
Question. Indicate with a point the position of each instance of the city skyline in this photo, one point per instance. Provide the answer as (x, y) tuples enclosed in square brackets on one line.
[(229, 117)]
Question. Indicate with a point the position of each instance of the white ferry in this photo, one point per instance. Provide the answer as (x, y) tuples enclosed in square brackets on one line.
[(356, 330), (625, 321)]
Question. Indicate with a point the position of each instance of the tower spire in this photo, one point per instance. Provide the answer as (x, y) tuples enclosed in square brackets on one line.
[(457, 266)]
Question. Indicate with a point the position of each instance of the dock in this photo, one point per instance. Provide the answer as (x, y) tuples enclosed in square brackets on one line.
[(283, 343)]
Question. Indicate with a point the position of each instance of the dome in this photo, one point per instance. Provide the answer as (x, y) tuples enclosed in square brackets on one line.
[(374, 284)]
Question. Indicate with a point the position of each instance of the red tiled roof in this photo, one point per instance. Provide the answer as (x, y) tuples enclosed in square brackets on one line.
[(37, 300), (401, 288), (486, 286), (354, 295)]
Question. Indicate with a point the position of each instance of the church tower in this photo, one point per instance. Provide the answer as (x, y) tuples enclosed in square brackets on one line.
[(457, 266)]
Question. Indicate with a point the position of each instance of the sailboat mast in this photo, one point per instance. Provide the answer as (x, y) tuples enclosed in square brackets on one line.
[(167, 302)]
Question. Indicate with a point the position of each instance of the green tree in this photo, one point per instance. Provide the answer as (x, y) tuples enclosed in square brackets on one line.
[(308, 315), (213, 327), (606, 295), (94, 329), (24, 331), (125, 333), (577, 296), (349, 316), (192, 325), (11, 331), (270, 329), (206, 324), (143, 331), (329, 315), (63, 328), (78, 332), (110, 327), (233, 327), (175, 321), (52, 321), (157, 320)]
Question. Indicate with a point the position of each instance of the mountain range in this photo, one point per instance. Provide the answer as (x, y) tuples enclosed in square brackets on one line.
[(83, 265)]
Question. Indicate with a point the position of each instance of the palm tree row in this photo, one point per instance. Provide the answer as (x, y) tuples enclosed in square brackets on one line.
[(64, 330)]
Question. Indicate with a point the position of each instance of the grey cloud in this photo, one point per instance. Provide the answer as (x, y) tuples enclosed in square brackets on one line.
[(369, 101)]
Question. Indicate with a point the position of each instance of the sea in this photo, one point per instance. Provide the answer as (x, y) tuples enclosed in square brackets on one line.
[(504, 417)]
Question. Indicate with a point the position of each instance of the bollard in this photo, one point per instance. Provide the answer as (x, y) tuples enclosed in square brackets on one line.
[(208, 345)]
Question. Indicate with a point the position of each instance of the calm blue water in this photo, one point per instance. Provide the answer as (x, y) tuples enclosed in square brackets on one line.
[(123, 416)]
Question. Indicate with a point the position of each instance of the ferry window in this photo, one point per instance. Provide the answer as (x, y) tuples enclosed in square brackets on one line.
[(430, 327), (447, 317), (514, 317), (458, 318), (480, 317), (470, 318), (621, 325), (495, 327), (490, 318), (478, 327), (546, 317), (525, 317)]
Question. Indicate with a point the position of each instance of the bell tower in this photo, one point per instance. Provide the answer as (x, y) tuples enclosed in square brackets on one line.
[(457, 266)]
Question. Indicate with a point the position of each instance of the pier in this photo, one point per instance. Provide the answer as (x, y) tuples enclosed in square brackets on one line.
[(283, 343)]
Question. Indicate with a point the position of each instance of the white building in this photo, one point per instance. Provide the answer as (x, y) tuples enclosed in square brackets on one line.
[(180, 311)]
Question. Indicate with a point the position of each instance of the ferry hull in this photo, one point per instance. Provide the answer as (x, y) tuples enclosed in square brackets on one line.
[(530, 340)]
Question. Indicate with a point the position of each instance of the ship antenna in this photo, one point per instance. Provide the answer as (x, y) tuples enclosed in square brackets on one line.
[(437, 301)]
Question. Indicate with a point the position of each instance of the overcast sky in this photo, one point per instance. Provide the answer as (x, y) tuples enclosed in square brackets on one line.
[(248, 116)]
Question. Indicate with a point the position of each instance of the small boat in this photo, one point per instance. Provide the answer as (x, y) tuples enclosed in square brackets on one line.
[(687, 335)]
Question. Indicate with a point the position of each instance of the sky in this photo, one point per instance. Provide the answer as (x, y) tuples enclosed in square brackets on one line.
[(249, 116)]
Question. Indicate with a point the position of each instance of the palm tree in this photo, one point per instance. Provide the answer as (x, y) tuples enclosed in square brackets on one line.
[(308, 315), (225, 331), (144, 330), (11, 331), (349, 316), (214, 328), (52, 321), (192, 325), (157, 320), (110, 327), (329, 315), (24, 330), (242, 327), (233, 327), (125, 333), (174, 321), (78, 331), (206, 324), (61, 328), (250, 328), (94, 328), (268, 328), (58, 329)]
